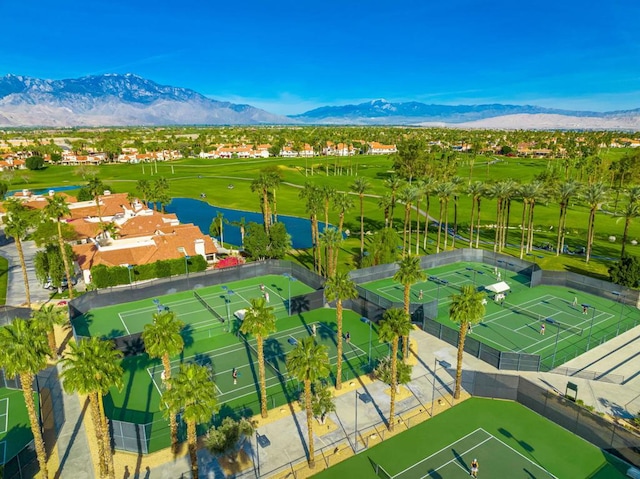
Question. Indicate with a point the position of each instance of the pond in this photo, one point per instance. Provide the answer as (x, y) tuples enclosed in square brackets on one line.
[(201, 214)]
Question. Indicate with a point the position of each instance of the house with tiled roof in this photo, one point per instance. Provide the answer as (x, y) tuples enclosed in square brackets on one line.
[(375, 148), (306, 151), (339, 149)]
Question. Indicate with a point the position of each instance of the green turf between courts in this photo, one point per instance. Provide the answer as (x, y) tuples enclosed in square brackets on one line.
[(139, 400), (129, 318), (515, 325), (509, 441), (15, 429)]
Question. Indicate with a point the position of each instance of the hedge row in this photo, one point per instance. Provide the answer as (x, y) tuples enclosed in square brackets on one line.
[(103, 276)]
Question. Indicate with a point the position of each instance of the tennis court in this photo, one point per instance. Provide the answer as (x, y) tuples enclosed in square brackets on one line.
[(203, 309), (243, 357), (507, 439), (15, 431), (139, 401), (573, 321)]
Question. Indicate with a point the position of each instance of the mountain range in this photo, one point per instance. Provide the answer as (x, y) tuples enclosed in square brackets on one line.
[(130, 100)]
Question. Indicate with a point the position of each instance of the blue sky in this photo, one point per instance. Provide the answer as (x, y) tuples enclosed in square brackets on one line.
[(291, 56)]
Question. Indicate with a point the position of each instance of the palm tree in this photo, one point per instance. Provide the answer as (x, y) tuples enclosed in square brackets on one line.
[(407, 195), (393, 182), (92, 367), (260, 321), (428, 187), (338, 288), (191, 393), (144, 187), (384, 203), (23, 353), (242, 224), (162, 340), (475, 191), (327, 192), (409, 272), (57, 208), (308, 362), (48, 317), (95, 187), (466, 309), (564, 193), (262, 184), (630, 212), (17, 223), (395, 324), (331, 240), (312, 194), (443, 191), (594, 195), (275, 179), (342, 203), (360, 186)]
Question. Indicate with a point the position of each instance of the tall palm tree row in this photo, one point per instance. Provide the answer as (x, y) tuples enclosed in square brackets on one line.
[(428, 187), (162, 340), (262, 185), (260, 321), (191, 393), (394, 325), (564, 193), (407, 195), (313, 196), (308, 363), (340, 287), (443, 191), (331, 240), (23, 353), (360, 187), (56, 209), (630, 212), (92, 367), (409, 272), (18, 222), (594, 195), (466, 309), (475, 190), (393, 183), (342, 203)]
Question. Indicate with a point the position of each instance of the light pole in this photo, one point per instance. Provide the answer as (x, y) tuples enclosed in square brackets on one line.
[(555, 348), (186, 259), (355, 432), (593, 316), (290, 278), (433, 389), (619, 295), (130, 268), (368, 321)]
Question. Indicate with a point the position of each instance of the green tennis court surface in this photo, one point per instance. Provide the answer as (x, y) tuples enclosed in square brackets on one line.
[(205, 312), (140, 399), (507, 439), (515, 324), (15, 429)]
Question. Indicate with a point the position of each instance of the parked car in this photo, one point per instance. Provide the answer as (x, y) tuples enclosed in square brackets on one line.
[(63, 284)]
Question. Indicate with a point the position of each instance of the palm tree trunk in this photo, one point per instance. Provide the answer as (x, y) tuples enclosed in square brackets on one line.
[(394, 382), (192, 441), (530, 240), (478, 226), (361, 226), (173, 422), (439, 226), (473, 209), (426, 226), (65, 260), (455, 222), (26, 380), (23, 265), (592, 218), (339, 365), (560, 228), (97, 425), (307, 400), (108, 453), (265, 210), (418, 227), (51, 338), (446, 223), (496, 238), (263, 383), (625, 235), (506, 225), (463, 335), (523, 226), (405, 339)]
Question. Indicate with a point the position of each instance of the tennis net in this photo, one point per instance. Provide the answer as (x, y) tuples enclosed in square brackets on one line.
[(566, 327), (266, 361), (445, 282), (207, 307), (519, 310)]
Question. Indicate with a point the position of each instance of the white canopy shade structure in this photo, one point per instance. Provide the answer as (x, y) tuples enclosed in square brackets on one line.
[(500, 287), (240, 314)]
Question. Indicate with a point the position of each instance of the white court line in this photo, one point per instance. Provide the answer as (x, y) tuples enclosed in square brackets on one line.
[(5, 414), (455, 459), (519, 454), (124, 324), (444, 448)]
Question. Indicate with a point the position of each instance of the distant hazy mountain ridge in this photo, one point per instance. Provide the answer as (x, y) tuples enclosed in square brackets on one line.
[(123, 100), (115, 100), (384, 112)]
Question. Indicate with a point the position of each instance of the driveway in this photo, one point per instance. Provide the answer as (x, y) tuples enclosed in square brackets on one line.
[(16, 295)]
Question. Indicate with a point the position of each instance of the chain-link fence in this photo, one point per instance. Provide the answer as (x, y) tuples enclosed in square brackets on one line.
[(550, 404), (9, 313)]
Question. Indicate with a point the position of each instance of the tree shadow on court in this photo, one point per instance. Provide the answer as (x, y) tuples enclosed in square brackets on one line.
[(202, 359), (460, 460), (114, 333), (132, 364), (187, 336), (299, 304), (82, 323), (523, 444)]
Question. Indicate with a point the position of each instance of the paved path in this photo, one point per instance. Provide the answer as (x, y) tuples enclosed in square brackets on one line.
[(16, 295)]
